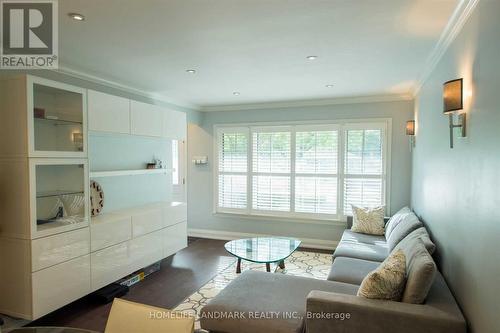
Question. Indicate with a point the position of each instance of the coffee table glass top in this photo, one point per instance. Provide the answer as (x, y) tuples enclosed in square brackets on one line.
[(263, 249)]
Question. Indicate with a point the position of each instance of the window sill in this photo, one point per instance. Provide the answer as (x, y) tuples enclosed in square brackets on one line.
[(337, 223)]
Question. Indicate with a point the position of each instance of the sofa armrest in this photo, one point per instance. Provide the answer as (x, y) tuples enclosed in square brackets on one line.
[(325, 311), (349, 221)]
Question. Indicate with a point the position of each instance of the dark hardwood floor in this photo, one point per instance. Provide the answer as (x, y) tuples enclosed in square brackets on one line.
[(181, 275)]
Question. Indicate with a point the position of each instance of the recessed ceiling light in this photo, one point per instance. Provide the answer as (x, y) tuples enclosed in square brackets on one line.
[(236, 93), (190, 71), (329, 86), (312, 57), (76, 16)]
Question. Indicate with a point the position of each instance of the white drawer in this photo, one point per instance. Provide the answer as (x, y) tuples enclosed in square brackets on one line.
[(174, 238), (59, 285), (146, 250), (109, 230), (146, 221), (52, 250), (174, 213), (109, 265)]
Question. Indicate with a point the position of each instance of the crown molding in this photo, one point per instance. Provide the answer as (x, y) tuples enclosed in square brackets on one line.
[(457, 21), (63, 69), (312, 102)]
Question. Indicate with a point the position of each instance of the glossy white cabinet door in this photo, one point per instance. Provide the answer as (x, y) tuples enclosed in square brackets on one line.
[(52, 250), (108, 113), (174, 212), (109, 265), (109, 229), (59, 285), (146, 119), (146, 250), (174, 238), (174, 124), (146, 221)]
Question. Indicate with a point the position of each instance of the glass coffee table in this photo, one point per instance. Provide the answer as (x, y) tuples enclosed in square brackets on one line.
[(264, 250)]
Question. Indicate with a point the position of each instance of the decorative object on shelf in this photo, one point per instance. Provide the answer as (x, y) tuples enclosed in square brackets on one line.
[(453, 102), (78, 140), (410, 132), (156, 164), (96, 198), (39, 113), (200, 160), (59, 215)]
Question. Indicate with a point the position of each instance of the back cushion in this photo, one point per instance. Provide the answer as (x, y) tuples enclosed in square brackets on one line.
[(409, 223), (395, 220), (420, 271), (420, 233)]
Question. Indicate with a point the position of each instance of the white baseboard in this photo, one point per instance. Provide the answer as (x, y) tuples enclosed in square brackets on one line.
[(229, 235)]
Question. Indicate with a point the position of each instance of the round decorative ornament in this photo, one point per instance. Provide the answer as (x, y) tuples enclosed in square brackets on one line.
[(96, 198)]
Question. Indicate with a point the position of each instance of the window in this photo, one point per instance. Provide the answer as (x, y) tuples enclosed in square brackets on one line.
[(232, 168), (301, 171)]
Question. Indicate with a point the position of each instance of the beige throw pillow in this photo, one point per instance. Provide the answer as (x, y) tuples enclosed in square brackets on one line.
[(388, 281), (368, 220)]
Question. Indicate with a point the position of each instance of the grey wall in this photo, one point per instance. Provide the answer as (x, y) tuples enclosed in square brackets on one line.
[(200, 187), (455, 191)]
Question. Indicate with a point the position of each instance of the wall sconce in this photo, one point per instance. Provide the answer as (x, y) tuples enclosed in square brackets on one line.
[(453, 101), (410, 132)]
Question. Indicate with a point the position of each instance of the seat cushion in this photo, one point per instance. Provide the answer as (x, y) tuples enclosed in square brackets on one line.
[(421, 271), (259, 293), (362, 251), (409, 223), (356, 237), (420, 233), (395, 220), (350, 270)]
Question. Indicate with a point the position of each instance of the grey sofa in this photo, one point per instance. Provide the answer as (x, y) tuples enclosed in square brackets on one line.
[(264, 302)]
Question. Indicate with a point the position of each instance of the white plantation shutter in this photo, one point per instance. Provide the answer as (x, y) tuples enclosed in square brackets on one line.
[(364, 175), (271, 169), (316, 156), (301, 171), (232, 148)]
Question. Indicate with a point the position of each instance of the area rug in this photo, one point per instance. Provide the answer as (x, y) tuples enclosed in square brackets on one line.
[(300, 263)]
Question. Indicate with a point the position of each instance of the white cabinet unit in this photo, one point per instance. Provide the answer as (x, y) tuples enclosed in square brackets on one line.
[(108, 113), (146, 119), (146, 220), (44, 234), (53, 250), (174, 124), (174, 238), (59, 285), (109, 229), (110, 264), (117, 251)]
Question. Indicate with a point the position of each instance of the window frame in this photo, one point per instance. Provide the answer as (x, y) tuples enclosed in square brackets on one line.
[(385, 124)]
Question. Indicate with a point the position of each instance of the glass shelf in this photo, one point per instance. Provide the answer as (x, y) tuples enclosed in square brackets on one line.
[(57, 122), (56, 193)]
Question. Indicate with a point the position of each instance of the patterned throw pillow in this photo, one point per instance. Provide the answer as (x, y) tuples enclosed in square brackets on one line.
[(388, 280), (368, 220)]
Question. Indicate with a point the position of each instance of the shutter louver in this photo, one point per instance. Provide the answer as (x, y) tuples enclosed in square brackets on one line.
[(363, 169), (232, 179)]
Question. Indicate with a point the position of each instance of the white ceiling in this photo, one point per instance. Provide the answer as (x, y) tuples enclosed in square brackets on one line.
[(255, 47)]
